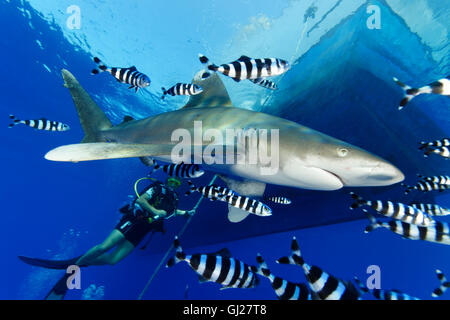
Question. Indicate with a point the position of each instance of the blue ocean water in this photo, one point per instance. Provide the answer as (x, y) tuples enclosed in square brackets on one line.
[(340, 84)]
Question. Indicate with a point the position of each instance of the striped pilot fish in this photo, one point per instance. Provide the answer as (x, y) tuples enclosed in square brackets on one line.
[(212, 192), (181, 170), (182, 89), (217, 267), (247, 204), (436, 179), (441, 87), (248, 68), (285, 290), (324, 285), (443, 287), (279, 200), (431, 209), (439, 147), (381, 294), (398, 211), (40, 124), (438, 233), (129, 76), (263, 82), (445, 142), (441, 151), (426, 186)]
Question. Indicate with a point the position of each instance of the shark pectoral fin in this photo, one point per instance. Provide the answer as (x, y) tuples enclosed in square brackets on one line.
[(236, 215), (103, 150), (214, 93)]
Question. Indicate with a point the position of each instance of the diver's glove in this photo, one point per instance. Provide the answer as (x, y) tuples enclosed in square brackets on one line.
[(190, 212)]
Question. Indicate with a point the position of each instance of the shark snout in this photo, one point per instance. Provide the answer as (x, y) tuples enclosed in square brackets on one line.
[(386, 174)]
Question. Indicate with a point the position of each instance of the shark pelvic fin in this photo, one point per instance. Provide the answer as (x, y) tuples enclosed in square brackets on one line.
[(214, 92)]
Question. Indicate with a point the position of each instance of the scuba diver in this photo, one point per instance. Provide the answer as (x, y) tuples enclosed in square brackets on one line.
[(144, 214)]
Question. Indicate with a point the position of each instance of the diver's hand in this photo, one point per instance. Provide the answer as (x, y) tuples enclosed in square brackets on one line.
[(190, 212)]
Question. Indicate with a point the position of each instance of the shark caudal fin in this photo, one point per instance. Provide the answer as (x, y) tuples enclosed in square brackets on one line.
[(92, 118)]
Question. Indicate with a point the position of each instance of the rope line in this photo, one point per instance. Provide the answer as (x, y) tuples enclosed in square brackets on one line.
[(180, 233)]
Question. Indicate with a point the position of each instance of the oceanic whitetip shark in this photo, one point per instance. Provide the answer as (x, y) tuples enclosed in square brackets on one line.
[(306, 158)]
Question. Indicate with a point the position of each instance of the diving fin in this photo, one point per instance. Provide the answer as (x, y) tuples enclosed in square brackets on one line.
[(59, 290), (49, 264)]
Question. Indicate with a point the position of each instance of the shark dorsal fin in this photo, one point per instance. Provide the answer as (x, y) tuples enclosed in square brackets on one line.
[(214, 92)]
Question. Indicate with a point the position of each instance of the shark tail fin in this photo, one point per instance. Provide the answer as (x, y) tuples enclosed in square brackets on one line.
[(179, 254), (93, 120), (408, 93)]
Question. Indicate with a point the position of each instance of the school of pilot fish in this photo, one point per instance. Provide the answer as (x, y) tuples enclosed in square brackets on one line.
[(413, 221)]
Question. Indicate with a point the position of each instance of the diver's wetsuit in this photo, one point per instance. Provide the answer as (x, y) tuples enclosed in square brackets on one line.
[(135, 224)]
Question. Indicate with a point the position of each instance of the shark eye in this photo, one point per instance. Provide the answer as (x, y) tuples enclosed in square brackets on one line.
[(342, 152)]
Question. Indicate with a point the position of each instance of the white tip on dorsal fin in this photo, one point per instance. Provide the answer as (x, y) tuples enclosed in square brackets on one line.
[(214, 92)]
